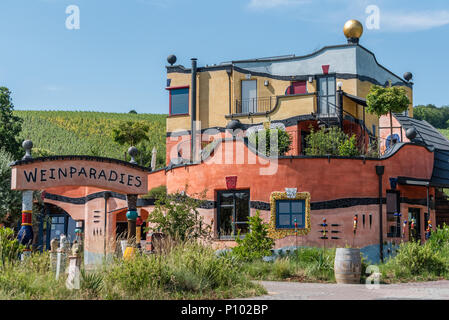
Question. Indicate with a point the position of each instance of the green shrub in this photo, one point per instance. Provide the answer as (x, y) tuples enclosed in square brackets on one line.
[(256, 244), (177, 216), (414, 259), (349, 147), (92, 282), (10, 200), (156, 193), (10, 248), (283, 138), (439, 238), (331, 141)]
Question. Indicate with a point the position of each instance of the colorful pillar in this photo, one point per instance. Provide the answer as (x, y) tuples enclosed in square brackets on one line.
[(26, 235), (79, 232), (131, 215)]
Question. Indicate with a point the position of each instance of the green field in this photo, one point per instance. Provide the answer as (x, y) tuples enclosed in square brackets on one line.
[(86, 133)]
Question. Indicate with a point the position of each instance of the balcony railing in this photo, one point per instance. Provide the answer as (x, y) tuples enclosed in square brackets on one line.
[(254, 105)]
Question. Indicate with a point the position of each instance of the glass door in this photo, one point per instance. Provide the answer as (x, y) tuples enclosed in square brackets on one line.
[(327, 98), (249, 96), (233, 211), (60, 224)]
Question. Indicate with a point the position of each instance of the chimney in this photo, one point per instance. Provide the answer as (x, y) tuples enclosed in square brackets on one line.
[(193, 115)]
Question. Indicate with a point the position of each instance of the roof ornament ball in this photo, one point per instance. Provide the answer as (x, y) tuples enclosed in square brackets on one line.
[(408, 76), (132, 151), (234, 124), (172, 59), (27, 145), (353, 30), (411, 133)]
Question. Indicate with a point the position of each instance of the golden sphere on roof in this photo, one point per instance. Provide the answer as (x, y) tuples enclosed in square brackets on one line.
[(353, 29)]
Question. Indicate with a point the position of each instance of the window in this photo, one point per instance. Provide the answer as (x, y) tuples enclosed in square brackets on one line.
[(289, 210), (327, 99), (232, 212), (298, 87), (61, 224), (179, 101), (249, 96), (393, 214), (392, 140)]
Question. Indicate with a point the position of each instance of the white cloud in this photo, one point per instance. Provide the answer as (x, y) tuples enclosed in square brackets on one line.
[(414, 21), (268, 4)]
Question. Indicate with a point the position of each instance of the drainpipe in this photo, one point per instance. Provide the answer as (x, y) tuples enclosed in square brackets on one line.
[(380, 171), (340, 105), (229, 72), (193, 116)]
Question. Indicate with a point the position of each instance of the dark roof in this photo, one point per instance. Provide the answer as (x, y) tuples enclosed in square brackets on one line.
[(358, 100), (426, 134), (431, 137), (440, 174)]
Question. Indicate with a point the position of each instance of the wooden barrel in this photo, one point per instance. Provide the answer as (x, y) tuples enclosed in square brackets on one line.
[(348, 265)]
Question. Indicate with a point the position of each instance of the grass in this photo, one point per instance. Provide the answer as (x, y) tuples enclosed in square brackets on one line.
[(414, 262), (186, 271), (194, 271), (304, 265)]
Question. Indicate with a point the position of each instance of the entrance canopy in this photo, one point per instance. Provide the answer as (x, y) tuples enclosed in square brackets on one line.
[(61, 171)]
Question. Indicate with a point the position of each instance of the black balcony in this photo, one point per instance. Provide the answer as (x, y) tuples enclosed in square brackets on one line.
[(255, 105)]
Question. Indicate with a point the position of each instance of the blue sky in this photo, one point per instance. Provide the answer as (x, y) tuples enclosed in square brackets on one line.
[(116, 61)]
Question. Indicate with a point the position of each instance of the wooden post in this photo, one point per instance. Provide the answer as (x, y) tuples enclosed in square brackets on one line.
[(73, 279)]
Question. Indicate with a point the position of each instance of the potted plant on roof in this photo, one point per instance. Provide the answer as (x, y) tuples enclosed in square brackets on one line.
[(386, 100)]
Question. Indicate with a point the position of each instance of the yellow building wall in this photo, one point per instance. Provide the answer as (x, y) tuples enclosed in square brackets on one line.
[(213, 99)]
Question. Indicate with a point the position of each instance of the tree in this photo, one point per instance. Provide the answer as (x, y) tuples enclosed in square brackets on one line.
[(133, 111), (284, 140), (437, 117), (10, 125), (130, 133), (386, 100), (177, 216), (10, 200), (256, 244)]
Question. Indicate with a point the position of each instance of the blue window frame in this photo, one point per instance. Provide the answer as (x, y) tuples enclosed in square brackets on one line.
[(289, 210), (179, 101)]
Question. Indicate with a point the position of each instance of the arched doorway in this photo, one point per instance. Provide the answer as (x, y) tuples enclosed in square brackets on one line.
[(55, 221)]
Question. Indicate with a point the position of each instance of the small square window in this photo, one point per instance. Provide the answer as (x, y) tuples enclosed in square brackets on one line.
[(179, 101), (290, 214)]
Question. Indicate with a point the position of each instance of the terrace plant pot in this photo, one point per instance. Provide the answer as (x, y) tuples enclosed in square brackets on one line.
[(348, 265)]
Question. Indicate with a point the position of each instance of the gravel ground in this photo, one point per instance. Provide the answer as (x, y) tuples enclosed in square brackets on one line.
[(325, 291)]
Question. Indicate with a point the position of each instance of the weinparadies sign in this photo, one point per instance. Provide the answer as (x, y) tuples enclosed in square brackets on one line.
[(61, 171)]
